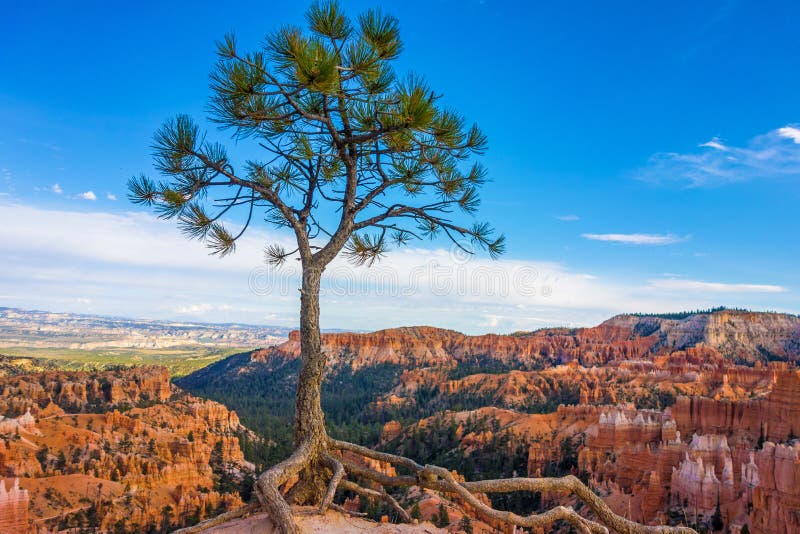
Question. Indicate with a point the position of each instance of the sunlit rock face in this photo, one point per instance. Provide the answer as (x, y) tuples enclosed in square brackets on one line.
[(126, 442), (701, 448), (775, 417), (725, 459), (418, 345), (775, 483), (13, 507), (705, 477), (744, 336)]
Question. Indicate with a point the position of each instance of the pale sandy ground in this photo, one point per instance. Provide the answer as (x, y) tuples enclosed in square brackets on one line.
[(332, 522)]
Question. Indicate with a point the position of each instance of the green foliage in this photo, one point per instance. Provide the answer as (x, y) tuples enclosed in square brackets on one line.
[(336, 127), (42, 455), (688, 313), (442, 517), (264, 399), (466, 524), (716, 520)]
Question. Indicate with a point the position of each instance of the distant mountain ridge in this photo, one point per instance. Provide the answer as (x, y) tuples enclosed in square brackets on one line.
[(531, 403), (736, 334), (739, 336), (81, 331)]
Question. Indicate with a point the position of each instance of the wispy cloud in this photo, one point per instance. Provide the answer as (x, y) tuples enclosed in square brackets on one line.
[(568, 217), (637, 239), (111, 196), (88, 195), (773, 155), (134, 264), (55, 188), (790, 132), (683, 285)]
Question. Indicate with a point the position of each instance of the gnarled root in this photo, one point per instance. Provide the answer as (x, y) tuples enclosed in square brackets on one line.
[(440, 479), (338, 475), (268, 488)]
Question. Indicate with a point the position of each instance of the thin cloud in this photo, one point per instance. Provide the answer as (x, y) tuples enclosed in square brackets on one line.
[(55, 188), (790, 132), (568, 218), (111, 196), (134, 264), (194, 309), (88, 195), (715, 143), (637, 239), (773, 155), (673, 284)]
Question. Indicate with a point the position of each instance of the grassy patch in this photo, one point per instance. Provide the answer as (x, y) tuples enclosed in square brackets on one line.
[(179, 360)]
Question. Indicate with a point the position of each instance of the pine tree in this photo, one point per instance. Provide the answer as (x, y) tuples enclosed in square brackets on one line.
[(716, 520), (442, 517), (415, 512), (466, 524)]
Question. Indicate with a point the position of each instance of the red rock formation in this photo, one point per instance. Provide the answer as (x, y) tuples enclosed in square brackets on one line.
[(391, 430), (415, 346), (130, 463), (775, 417), (705, 476), (700, 339), (776, 495), (13, 508)]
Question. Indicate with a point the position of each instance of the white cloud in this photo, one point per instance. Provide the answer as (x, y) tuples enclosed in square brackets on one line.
[(111, 196), (637, 239), (135, 265), (55, 188), (672, 284), (568, 218), (790, 132), (715, 143), (194, 309), (773, 155), (88, 195)]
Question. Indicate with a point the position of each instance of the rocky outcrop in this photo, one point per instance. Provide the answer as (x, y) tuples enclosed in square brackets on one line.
[(80, 390), (705, 477), (696, 339), (773, 480), (421, 346), (629, 453), (738, 335), (13, 508), (126, 443), (775, 417)]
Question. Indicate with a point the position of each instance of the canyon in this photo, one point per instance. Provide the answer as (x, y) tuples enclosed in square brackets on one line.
[(680, 419), (677, 419), (121, 451)]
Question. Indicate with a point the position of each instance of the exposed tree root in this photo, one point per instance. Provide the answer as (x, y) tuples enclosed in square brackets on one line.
[(268, 488), (218, 520), (338, 475), (344, 510), (381, 495), (439, 479)]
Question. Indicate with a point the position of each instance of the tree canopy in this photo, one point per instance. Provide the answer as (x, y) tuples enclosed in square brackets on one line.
[(350, 157)]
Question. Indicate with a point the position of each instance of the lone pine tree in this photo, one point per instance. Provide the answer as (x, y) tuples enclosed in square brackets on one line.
[(348, 158)]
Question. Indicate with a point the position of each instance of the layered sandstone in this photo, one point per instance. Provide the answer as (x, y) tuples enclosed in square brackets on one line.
[(697, 339), (13, 508), (127, 463)]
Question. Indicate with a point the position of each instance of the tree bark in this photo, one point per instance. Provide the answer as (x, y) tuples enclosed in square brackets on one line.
[(309, 420)]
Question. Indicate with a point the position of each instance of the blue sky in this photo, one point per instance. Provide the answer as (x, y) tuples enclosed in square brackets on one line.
[(644, 157)]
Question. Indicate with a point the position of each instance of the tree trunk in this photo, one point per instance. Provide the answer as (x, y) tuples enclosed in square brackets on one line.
[(309, 420)]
